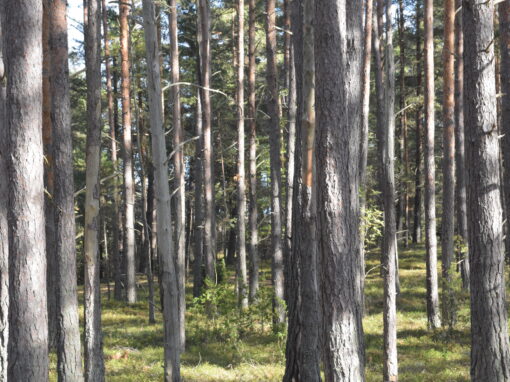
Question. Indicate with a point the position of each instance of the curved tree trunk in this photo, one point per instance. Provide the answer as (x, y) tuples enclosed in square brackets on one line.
[(68, 327), (490, 355), (433, 315), (28, 345), (338, 62)]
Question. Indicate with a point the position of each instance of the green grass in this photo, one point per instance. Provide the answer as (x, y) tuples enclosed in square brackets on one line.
[(228, 346)]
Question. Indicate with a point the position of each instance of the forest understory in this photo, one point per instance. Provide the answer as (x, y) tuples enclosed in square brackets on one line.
[(227, 347)]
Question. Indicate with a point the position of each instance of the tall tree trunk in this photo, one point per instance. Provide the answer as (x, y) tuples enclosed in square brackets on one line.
[(418, 138), (204, 37), (28, 332), (241, 187), (386, 139), (165, 245), (198, 246), (180, 224), (460, 164), (338, 107), (117, 219), (433, 314), (490, 355), (273, 106), (94, 362), (68, 326), (4, 202), (504, 38), (448, 224), (252, 122), (49, 182), (129, 186), (302, 351)]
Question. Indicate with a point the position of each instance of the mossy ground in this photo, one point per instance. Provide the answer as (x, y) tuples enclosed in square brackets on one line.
[(223, 349)]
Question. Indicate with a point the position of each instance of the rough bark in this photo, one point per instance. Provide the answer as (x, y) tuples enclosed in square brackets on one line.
[(252, 123), (180, 186), (433, 314), (94, 362), (447, 221), (204, 41), (273, 108), (490, 355), (389, 250), (504, 39), (69, 365), (169, 280), (241, 185), (129, 186), (4, 227), (418, 134), (460, 160), (28, 332), (338, 62)]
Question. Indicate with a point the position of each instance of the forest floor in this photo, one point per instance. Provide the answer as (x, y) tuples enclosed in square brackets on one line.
[(224, 345)]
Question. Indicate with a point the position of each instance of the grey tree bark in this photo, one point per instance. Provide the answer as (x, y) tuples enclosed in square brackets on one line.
[(129, 186), (94, 362), (460, 160), (4, 201), (338, 62), (252, 123), (169, 276), (69, 365), (490, 355), (241, 186), (433, 313), (204, 42), (180, 202), (28, 329), (273, 105), (447, 221)]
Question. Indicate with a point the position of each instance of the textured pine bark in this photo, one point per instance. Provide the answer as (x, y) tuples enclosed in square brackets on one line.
[(241, 186), (28, 336), (273, 105), (69, 365), (447, 221), (433, 314), (129, 186), (338, 62), (252, 125), (94, 362), (169, 282), (490, 355)]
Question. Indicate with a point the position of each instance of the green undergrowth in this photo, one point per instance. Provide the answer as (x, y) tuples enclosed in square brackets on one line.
[(224, 344)]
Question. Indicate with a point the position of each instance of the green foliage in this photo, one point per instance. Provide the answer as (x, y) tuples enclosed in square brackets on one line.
[(372, 224)]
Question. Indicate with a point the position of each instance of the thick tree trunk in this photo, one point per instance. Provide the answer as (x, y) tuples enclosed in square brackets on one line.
[(338, 60), (389, 250), (460, 164), (28, 332), (204, 37), (252, 122), (68, 327), (418, 135), (4, 227), (504, 33), (490, 355), (273, 106), (117, 219), (94, 362), (433, 314), (169, 280), (180, 186), (447, 222), (241, 186), (129, 186)]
